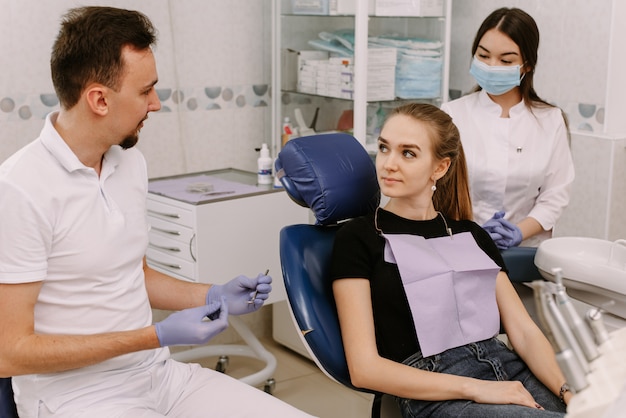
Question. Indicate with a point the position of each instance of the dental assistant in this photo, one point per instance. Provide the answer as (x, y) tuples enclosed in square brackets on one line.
[(519, 162)]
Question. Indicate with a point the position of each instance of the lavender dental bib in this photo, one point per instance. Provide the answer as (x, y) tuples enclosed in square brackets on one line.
[(450, 284)]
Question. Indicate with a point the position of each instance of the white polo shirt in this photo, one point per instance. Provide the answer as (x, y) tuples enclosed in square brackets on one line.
[(521, 164), (84, 236)]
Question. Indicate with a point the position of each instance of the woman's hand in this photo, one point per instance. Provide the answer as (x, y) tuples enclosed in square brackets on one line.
[(490, 392)]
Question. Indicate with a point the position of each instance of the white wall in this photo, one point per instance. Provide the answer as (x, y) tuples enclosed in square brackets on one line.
[(616, 88), (596, 208), (203, 44), (573, 51)]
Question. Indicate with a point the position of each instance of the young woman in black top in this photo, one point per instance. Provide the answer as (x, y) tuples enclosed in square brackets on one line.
[(421, 290)]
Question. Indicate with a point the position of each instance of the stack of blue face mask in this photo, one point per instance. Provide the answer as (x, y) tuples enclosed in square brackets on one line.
[(419, 61), (418, 70), (339, 43)]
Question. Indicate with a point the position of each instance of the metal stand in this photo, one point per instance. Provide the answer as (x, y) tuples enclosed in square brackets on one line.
[(252, 348)]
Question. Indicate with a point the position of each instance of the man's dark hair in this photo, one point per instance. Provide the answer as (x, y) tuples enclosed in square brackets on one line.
[(89, 46)]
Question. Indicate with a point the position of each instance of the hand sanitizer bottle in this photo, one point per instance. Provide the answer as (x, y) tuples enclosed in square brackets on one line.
[(264, 164), (287, 132)]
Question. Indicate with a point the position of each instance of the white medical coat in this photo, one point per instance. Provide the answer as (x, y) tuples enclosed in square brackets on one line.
[(521, 164)]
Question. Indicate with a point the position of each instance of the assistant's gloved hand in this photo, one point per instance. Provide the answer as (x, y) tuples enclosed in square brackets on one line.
[(503, 233), (493, 224), (240, 291), (194, 325), (511, 235)]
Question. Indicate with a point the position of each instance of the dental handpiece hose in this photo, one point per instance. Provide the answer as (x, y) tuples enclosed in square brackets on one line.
[(595, 320), (571, 359), (578, 326), (550, 318)]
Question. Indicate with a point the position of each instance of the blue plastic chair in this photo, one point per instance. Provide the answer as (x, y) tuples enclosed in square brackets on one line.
[(305, 252), (334, 176)]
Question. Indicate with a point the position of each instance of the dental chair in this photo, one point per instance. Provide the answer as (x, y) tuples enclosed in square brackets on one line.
[(334, 176), (7, 404)]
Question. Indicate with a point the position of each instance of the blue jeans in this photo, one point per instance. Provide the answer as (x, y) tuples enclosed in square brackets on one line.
[(486, 360)]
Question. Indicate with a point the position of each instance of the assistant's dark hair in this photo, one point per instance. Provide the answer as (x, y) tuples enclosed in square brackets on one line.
[(452, 197), (89, 46), (522, 29)]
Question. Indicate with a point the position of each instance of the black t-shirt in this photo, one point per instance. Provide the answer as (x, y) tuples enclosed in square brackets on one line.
[(358, 253)]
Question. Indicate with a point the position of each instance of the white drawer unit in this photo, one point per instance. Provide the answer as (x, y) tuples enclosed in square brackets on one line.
[(213, 238), (230, 227)]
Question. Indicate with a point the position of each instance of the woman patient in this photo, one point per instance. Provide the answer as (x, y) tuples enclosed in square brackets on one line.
[(421, 290)]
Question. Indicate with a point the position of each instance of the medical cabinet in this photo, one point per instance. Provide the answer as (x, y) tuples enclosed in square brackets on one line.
[(210, 227)]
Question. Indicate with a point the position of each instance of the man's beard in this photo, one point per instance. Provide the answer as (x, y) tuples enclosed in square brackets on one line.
[(130, 141)]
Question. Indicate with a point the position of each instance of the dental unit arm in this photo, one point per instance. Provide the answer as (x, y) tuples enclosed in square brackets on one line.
[(594, 272), (556, 330), (595, 321), (579, 328)]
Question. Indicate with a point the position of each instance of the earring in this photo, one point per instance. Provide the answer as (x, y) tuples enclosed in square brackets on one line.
[(433, 188)]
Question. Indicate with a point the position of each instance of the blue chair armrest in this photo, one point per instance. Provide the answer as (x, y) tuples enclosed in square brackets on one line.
[(7, 403), (521, 264)]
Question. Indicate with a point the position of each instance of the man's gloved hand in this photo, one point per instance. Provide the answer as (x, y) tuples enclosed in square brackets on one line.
[(240, 293), (503, 233), (193, 326)]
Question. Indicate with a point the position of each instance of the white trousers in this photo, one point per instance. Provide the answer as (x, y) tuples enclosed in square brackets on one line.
[(174, 389)]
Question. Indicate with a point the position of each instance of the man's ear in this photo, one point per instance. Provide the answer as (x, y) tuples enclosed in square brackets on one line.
[(97, 100)]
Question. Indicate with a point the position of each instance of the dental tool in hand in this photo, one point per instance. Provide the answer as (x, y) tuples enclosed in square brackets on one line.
[(256, 292)]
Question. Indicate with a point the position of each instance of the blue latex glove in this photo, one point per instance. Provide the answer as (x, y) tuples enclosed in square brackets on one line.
[(511, 235), (503, 233), (193, 326), (493, 224), (239, 291)]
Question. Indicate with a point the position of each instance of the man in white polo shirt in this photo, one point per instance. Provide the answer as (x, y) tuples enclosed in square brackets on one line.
[(75, 292)]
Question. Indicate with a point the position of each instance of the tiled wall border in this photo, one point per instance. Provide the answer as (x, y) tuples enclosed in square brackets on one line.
[(37, 106), (582, 116), (585, 117)]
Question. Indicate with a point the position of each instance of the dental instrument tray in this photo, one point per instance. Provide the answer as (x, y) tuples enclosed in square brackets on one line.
[(209, 186)]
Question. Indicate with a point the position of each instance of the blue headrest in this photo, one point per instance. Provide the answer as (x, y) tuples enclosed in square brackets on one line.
[(330, 173)]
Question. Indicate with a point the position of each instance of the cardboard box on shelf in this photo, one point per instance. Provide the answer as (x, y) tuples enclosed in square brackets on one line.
[(382, 56), (309, 7), (292, 62), (383, 74), (376, 55), (311, 56), (409, 8), (348, 7), (334, 76)]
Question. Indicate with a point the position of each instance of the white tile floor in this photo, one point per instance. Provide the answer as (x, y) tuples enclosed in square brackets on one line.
[(300, 383)]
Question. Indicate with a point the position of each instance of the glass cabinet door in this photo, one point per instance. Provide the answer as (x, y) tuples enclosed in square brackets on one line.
[(320, 84)]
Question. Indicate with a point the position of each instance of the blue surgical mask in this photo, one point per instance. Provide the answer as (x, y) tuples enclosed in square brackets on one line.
[(495, 79)]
